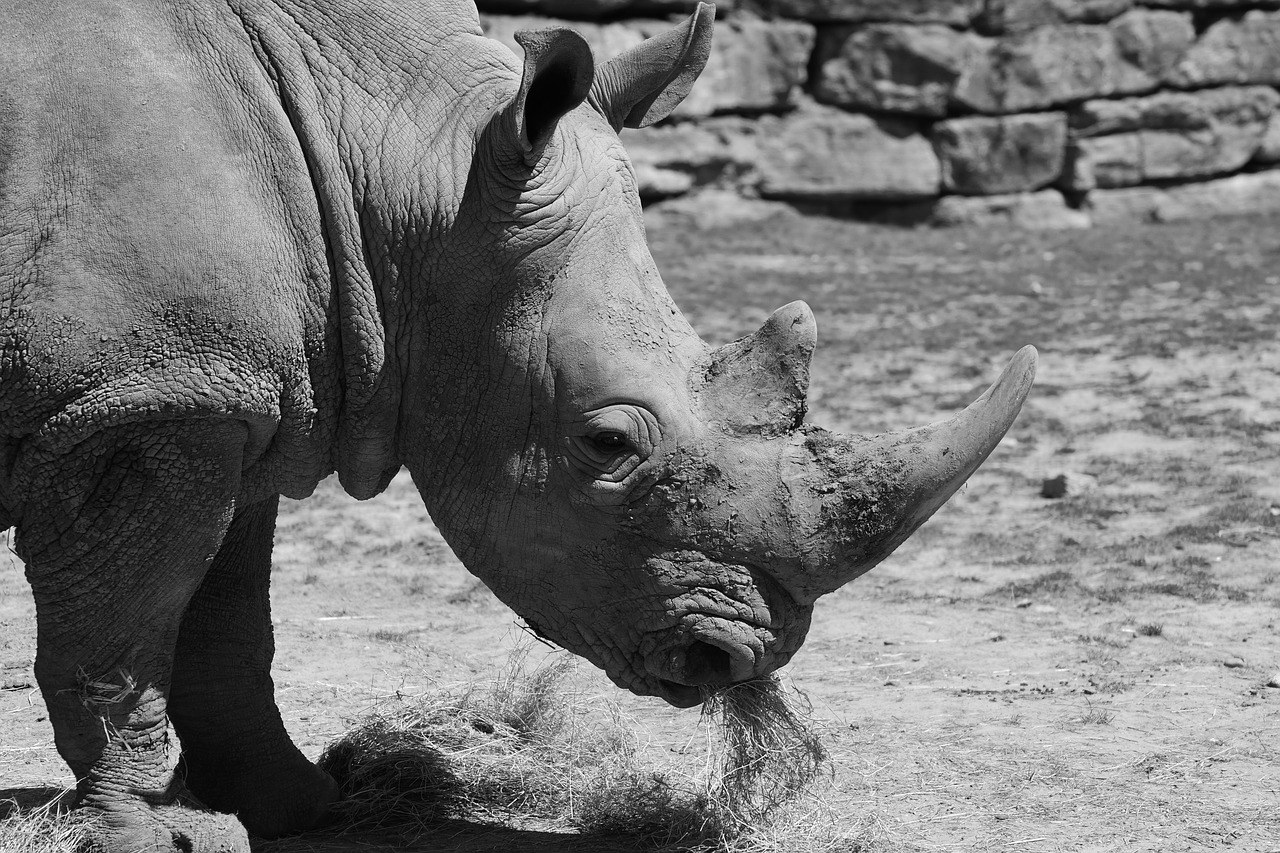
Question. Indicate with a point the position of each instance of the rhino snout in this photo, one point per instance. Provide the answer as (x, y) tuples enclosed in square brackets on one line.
[(708, 654)]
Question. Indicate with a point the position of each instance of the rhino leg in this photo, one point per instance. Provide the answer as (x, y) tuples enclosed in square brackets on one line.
[(116, 534), (236, 754)]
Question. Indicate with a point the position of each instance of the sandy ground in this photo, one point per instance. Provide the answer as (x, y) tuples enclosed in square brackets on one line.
[(1088, 673)]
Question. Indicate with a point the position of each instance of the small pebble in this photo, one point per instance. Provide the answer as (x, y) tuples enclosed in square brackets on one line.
[(1068, 482), (1275, 681), (1054, 487), (1233, 662)]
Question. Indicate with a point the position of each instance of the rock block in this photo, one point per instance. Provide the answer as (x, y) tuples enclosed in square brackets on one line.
[(1104, 161), (755, 66), (714, 208), (1244, 50), (672, 159), (655, 184), (1203, 5), (1253, 193), (980, 155), (595, 9), (1154, 40), (1269, 148), (1235, 105), (1169, 135), (957, 13), (893, 67), (1118, 206), (1011, 16), (1038, 211), (606, 40), (1049, 66), (819, 154)]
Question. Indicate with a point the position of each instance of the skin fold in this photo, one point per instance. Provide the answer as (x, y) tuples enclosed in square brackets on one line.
[(245, 244)]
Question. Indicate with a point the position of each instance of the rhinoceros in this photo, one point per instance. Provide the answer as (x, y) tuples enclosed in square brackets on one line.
[(246, 244)]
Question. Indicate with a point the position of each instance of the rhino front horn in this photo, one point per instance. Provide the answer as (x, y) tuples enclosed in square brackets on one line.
[(861, 497)]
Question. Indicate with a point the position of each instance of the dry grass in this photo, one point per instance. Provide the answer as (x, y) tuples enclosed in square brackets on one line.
[(47, 827), (532, 753)]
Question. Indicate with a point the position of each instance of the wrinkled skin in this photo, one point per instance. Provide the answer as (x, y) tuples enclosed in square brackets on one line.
[(248, 243)]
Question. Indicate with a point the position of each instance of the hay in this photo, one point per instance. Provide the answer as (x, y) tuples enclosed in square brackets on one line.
[(45, 827), (771, 754), (531, 753), (488, 758)]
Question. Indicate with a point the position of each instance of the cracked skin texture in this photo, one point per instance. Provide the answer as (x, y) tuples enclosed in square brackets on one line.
[(248, 243), (166, 252), (200, 309)]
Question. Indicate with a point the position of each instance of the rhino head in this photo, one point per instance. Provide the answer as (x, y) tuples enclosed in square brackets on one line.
[(639, 498)]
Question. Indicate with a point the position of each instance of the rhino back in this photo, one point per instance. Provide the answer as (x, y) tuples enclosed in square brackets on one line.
[(160, 259), (168, 246)]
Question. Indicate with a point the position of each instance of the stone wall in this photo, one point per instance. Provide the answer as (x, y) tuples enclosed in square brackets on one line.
[(1048, 113)]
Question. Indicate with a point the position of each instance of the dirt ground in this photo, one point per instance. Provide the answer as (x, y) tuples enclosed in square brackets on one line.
[(1083, 673)]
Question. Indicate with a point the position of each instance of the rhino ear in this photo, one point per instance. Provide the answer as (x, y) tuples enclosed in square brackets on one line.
[(558, 69), (645, 84)]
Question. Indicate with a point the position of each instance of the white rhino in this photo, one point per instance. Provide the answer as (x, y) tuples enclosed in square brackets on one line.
[(248, 243)]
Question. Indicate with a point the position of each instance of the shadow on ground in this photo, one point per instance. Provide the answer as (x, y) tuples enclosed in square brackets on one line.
[(453, 836), (14, 800)]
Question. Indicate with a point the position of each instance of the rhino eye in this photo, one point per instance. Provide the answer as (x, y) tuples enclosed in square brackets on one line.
[(609, 441)]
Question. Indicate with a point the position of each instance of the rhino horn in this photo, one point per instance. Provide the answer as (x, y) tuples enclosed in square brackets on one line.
[(647, 82), (758, 384), (557, 75), (853, 499)]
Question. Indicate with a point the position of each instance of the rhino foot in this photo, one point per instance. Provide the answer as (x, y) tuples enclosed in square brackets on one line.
[(271, 799), (128, 824)]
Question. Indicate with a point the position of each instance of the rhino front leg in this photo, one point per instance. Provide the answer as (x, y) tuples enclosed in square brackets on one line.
[(116, 534), (236, 755)]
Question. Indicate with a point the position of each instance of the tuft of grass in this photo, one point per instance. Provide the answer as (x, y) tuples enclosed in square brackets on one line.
[(1096, 716), (1153, 629), (388, 635), (49, 827), (530, 752), (1051, 584)]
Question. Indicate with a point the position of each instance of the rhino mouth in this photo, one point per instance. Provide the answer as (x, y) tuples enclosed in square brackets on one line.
[(680, 695), (726, 623)]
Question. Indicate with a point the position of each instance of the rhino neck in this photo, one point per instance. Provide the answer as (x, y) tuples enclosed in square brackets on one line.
[(386, 146)]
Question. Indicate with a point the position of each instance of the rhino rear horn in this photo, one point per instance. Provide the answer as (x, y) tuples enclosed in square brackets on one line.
[(558, 70), (647, 82), (757, 385)]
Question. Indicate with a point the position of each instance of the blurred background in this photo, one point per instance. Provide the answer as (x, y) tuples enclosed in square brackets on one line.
[(1047, 113)]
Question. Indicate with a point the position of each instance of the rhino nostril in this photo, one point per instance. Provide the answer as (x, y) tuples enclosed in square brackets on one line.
[(707, 664)]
